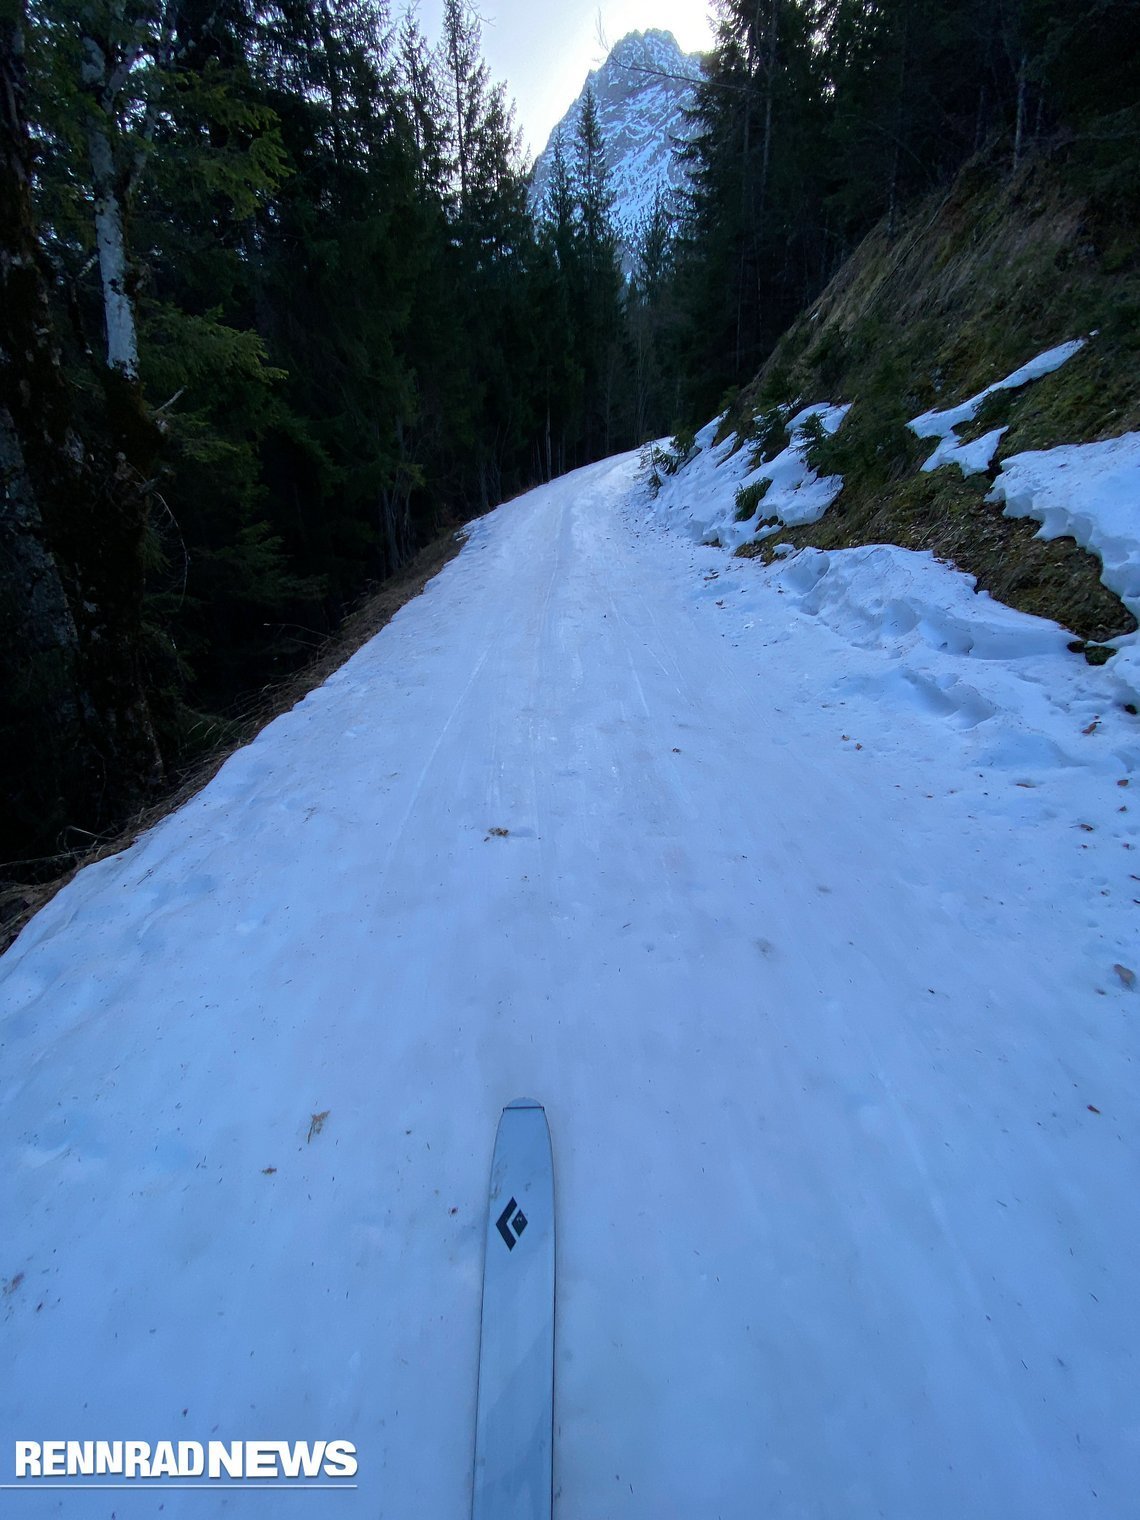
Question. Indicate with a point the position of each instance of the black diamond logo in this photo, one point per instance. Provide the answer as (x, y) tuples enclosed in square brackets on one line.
[(510, 1224)]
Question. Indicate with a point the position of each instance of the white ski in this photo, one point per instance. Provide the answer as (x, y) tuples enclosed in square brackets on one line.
[(514, 1425)]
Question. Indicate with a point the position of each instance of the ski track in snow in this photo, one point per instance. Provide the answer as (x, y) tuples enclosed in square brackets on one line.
[(803, 931)]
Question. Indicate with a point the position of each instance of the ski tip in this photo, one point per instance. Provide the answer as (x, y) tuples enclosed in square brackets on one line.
[(523, 1103)]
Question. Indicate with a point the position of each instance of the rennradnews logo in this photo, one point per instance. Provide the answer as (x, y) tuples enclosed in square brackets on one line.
[(211, 1461)]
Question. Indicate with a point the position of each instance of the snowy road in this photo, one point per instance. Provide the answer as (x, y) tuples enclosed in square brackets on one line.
[(816, 1000)]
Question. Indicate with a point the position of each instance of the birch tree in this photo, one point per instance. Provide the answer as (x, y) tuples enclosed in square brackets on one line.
[(109, 59), (78, 743)]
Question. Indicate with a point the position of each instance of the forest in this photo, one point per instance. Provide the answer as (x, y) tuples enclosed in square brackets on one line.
[(276, 312)]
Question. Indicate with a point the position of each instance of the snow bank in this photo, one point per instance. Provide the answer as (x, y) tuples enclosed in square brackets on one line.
[(700, 500), (928, 618), (1089, 492), (882, 595), (937, 424), (911, 639), (951, 654), (973, 458)]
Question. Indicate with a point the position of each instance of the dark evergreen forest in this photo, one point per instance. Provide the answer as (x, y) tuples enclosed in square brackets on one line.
[(275, 311)]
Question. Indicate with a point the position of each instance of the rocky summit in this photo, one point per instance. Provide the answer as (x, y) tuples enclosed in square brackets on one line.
[(642, 90)]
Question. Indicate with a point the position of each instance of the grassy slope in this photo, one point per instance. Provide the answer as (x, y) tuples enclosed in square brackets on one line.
[(976, 282)]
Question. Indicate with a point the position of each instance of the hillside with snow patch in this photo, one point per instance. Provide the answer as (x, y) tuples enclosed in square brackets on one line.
[(1084, 492)]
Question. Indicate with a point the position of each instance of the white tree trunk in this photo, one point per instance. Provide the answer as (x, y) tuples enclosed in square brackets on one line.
[(114, 269)]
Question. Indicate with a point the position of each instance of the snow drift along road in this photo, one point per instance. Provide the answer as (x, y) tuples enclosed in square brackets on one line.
[(808, 953)]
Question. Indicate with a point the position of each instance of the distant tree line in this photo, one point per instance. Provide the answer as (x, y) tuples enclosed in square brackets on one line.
[(274, 310)]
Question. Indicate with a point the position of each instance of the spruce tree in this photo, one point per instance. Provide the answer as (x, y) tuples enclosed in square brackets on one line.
[(600, 283)]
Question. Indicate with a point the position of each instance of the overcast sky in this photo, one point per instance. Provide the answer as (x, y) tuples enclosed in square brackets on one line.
[(544, 51)]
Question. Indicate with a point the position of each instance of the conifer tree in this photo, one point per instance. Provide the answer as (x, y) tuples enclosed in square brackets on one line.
[(556, 280), (466, 76), (558, 206), (423, 103), (650, 314), (600, 287)]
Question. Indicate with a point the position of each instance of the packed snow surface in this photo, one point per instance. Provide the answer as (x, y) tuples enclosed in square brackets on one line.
[(804, 897)]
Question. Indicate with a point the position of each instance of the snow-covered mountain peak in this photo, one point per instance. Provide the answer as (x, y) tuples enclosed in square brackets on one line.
[(641, 90), (653, 49)]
